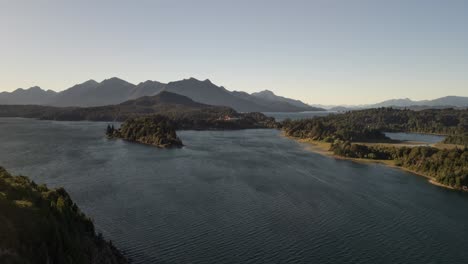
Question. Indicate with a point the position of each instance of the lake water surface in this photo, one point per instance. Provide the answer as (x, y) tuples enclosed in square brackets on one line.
[(423, 138), (247, 196)]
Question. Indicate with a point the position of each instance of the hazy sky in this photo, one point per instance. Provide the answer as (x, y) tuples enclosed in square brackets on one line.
[(328, 52)]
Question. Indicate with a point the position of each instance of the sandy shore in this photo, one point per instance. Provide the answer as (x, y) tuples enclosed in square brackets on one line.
[(323, 148)]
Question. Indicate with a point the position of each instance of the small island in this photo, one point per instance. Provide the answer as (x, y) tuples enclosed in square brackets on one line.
[(157, 130)]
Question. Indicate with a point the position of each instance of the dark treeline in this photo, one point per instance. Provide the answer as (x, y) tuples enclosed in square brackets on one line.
[(186, 118), (42, 225), (458, 139), (369, 125), (447, 166), (227, 122)]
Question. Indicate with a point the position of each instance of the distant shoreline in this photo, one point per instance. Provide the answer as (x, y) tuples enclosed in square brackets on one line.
[(323, 148)]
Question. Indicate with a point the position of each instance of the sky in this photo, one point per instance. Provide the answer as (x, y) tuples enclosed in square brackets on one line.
[(321, 52)]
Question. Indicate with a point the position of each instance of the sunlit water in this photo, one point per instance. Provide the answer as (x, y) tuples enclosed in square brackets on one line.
[(247, 196)]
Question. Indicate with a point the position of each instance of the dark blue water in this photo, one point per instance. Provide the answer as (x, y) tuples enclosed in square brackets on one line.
[(423, 138), (247, 196)]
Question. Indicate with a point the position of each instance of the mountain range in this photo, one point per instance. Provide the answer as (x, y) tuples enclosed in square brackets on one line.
[(455, 101), (443, 102), (114, 91)]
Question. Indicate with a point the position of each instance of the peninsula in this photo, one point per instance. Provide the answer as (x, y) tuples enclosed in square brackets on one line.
[(360, 135)]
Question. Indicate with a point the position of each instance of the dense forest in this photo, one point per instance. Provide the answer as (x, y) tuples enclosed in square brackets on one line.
[(156, 130), (458, 139), (42, 225), (447, 166), (369, 125)]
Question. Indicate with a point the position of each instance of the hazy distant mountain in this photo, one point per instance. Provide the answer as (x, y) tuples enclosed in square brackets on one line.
[(341, 108), (112, 91), (115, 91), (33, 95), (74, 96), (208, 93), (108, 92), (443, 102), (395, 102), (270, 96), (457, 101), (147, 88), (274, 104), (447, 101)]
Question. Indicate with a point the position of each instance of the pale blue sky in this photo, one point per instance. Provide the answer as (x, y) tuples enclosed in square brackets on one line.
[(328, 52)]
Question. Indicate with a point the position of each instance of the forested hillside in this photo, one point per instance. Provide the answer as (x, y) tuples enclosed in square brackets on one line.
[(42, 225), (369, 125)]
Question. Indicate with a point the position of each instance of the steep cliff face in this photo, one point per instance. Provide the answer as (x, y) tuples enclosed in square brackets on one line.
[(42, 225)]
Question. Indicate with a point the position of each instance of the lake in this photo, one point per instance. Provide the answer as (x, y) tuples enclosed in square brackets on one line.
[(248, 196), (416, 137)]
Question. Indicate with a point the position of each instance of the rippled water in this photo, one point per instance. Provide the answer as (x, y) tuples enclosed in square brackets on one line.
[(247, 196), (423, 138)]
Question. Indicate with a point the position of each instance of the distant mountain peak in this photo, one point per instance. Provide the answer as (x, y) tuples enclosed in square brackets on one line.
[(193, 79), (90, 81), (148, 82), (30, 89), (37, 88), (265, 92), (272, 97), (114, 80)]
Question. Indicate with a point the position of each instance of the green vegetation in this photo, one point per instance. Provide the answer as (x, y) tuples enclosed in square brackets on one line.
[(446, 166), (157, 131), (41, 225), (458, 139), (369, 125)]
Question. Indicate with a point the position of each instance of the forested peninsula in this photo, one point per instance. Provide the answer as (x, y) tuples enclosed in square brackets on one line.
[(42, 225), (350, 134)]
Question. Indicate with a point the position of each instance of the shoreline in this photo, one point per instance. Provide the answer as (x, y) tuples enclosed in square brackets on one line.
[(323, 148)]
